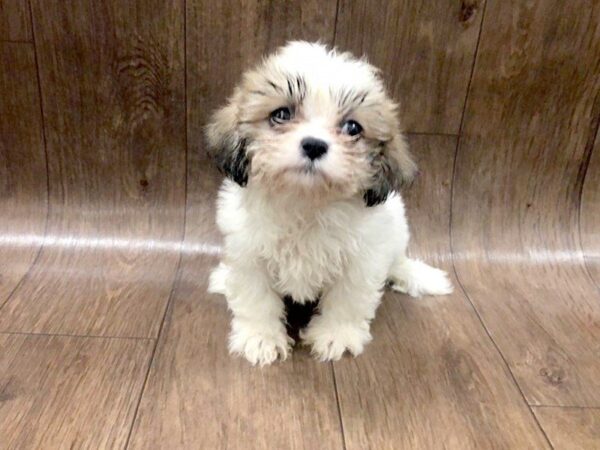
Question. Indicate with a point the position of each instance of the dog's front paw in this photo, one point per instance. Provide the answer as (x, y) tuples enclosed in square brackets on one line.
[(329, 339), (259, 345)]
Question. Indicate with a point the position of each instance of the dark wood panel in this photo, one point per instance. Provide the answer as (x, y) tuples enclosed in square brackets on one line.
[(529, 118), (425, 49), (60, 392), (112, 77), (23, 179), (571, 428), (14, 20), (431, 378), (590, 211)]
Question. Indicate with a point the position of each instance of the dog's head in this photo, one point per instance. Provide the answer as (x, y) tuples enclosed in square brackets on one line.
[(314, 122)]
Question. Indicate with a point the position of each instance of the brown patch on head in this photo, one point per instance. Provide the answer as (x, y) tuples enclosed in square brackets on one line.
[(321, 91), (391, 162)]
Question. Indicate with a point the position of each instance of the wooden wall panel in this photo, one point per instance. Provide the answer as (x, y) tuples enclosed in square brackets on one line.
[(425, 49), (14, 21), (431, 378), (112, 78), (23, 178), (61, 392), (516, 195), (590, 211), (571, 428)]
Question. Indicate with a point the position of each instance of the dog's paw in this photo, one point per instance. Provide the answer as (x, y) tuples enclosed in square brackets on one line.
[(329, 339), (259, 346), (415, 278)]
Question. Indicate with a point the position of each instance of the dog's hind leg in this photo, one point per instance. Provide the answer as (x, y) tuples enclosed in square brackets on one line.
[(217, 280), (415, 278)]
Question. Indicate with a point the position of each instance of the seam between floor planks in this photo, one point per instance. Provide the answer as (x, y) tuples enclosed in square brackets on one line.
[(339, 406), (177, 276), (43, 125), (450, 234), (566, 407), (594, 139), (91, 336), (502, 357)]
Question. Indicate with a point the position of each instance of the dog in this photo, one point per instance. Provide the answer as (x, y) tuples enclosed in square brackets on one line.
[(314, 159)]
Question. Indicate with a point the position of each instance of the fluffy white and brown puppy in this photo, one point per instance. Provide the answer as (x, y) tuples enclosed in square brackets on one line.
[(311, 145)]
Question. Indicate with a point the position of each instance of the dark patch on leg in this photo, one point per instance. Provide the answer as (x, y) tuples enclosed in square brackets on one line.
[(298, 316)]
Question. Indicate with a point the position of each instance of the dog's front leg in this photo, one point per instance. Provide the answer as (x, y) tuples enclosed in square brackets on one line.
[(257, 329), (346, 311)]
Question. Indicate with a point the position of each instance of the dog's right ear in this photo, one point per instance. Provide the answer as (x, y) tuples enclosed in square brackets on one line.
[(226, 145)]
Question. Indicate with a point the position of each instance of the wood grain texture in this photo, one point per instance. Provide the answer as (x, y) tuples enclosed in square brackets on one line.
[(431, 378), (14, 21), (112, 77), (425, 50), (23, 179), (61, 392), (198, 396), (516, 195), (571, 428), (590, 211)]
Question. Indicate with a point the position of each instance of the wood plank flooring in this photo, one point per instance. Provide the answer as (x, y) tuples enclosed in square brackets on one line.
[(108, 338)]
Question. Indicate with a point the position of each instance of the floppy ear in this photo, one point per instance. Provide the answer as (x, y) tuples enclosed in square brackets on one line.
[(393, 167), (225, 144)]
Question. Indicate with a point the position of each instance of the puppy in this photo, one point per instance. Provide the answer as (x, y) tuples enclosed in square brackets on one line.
[(314, 158)]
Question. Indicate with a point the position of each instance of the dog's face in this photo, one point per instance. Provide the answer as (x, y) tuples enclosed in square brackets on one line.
[(312, 122)]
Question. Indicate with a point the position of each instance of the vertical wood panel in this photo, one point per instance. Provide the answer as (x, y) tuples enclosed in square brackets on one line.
[(590, 212), (571, 428), (425, 49), (23, 178), (112, 78), (60, 392), (519, 174), (14, 20), (431, 378)]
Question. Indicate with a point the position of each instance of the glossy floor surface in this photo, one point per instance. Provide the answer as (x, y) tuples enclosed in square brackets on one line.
[(108, 338)]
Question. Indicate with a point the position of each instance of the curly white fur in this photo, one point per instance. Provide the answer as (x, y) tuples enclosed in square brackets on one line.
[(301, 228), (344, 251)]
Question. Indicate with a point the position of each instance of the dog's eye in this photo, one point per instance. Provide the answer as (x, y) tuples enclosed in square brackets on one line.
[(351, 128), (280, 115)]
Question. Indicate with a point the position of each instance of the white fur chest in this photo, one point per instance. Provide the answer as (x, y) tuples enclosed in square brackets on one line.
[(303, 261), (304, 252)]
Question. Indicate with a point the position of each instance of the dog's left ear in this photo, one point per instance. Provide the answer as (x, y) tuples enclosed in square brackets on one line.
[(226, 145), (393, 167)]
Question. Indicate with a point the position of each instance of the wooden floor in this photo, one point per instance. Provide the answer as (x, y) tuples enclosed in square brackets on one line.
[(108, 338)]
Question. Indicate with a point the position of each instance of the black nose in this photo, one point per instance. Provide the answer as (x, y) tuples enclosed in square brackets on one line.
[(314, 148)]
